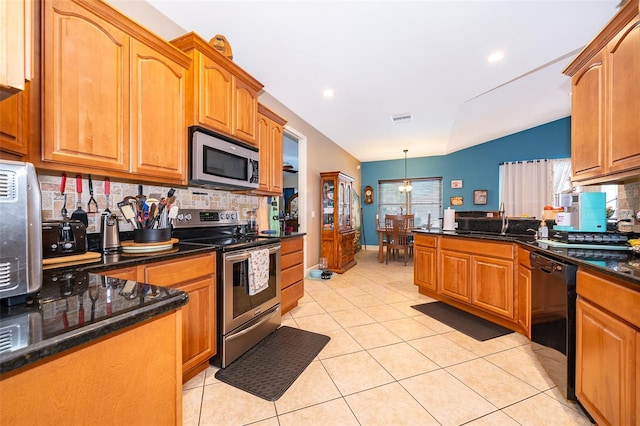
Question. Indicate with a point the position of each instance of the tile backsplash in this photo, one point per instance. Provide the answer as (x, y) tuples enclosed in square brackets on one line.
[(629, 198), (52, 199)]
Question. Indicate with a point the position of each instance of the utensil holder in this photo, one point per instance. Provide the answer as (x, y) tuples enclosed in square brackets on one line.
[(151, 235)]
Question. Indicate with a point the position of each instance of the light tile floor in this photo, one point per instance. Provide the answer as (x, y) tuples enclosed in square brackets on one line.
[(388, 364)]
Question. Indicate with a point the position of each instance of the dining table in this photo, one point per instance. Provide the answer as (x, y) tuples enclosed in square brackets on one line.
[(380, 230)]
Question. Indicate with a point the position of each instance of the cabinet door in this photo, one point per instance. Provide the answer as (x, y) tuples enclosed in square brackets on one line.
[(587, 120), (524, 299), (492, 285), (605, 366), (424, 266), (198, 322), (246, 112), (14, 124), (623, 67), (454, 279), (158, 137), (86, 95), (17, 41), (215, 96), (276, 138), (265, 153)]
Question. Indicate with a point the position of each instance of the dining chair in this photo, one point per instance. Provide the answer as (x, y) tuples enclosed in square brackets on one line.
[(397, 235), (382, 238)]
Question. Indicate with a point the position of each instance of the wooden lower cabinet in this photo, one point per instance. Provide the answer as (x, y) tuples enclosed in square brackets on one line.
[(473, 275), (196, 276), (425, 263), (454, 279), (292, 266), (492, 285), (478, 273), (607, 325), (523, 291), (99, 383)]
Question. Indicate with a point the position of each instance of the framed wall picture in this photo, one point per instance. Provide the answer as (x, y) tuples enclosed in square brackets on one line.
[(456, 201), (480, 196), (456, 183)]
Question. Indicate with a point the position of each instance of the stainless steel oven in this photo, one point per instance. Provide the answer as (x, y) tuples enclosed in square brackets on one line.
[(244, 316), (247, 319)]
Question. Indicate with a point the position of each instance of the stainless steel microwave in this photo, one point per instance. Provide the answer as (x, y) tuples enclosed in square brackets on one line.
[(217, 161)]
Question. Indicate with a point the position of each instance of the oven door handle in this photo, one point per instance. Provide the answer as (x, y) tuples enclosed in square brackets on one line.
[(244, 255), (259, 323)]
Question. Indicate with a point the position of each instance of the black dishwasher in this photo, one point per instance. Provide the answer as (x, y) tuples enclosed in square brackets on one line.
[(553, 319)]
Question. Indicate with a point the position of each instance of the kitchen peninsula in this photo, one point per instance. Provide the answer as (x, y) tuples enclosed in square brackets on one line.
[(490, 275), (131, 332)]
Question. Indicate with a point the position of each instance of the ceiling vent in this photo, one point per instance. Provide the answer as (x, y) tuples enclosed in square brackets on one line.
[(401, 118)]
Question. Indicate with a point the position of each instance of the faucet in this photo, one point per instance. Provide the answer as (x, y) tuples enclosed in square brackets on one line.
[(505, 219)]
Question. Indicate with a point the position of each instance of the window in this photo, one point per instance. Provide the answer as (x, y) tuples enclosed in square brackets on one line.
[(425, 199)]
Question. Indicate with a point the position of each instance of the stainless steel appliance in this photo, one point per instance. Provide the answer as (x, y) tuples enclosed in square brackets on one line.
[(63, 238), (243, 318), (217, 161), (553, 319), (109, 233), (20, 228)]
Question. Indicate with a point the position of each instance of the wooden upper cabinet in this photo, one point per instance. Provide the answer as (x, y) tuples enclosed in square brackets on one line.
[(605, 129), (16, 45), (270, 144), (623, 60), (214, 101), (114, 95), (14, 125), (220, 95), (86, 95), (157, 129), (587, 115), (246, 111)]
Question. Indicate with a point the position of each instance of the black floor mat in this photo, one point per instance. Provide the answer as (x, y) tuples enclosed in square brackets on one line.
[(270, 367), (471, 325)]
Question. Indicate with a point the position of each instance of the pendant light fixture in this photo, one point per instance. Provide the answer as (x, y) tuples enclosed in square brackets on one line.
[(406, 184)]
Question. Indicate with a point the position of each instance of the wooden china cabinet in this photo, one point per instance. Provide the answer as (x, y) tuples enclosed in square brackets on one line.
[(337, 230)]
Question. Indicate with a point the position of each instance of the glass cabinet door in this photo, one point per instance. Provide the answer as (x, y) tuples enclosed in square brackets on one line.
[(328, 190)]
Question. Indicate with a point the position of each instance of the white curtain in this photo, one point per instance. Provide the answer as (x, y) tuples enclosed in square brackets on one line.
[(524, 187), (559, 175)]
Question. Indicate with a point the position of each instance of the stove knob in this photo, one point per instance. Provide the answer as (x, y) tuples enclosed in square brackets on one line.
[(180, 216), (187, 216)]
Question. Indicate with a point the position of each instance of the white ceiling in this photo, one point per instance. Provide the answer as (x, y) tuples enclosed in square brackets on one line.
[(427, 58)]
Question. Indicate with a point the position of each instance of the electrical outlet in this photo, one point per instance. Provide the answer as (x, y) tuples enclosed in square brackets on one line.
[(244, 210)]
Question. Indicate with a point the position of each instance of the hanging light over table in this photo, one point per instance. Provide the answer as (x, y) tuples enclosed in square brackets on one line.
[(406, 184)]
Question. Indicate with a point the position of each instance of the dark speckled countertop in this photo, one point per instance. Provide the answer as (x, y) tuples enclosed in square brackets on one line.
[(620, 264), (75, 306)]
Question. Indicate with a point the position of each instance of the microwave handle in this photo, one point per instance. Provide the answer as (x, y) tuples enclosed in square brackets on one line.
[(254, 171)]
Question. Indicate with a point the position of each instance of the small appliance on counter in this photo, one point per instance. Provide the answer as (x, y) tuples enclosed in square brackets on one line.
[(20, 227), (109, 233), (63, 238), (589, 212)]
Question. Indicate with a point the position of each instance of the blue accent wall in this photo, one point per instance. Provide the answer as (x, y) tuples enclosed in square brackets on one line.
[(476, 166)]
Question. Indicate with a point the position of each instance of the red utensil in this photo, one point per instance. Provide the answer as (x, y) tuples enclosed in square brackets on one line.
[(107, 194)]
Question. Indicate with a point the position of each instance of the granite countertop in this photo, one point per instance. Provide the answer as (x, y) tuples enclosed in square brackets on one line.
[(63, 315), (620, 264)]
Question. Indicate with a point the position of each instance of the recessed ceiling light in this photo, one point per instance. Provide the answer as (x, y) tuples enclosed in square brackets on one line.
[(496, 56), (327, 93)]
